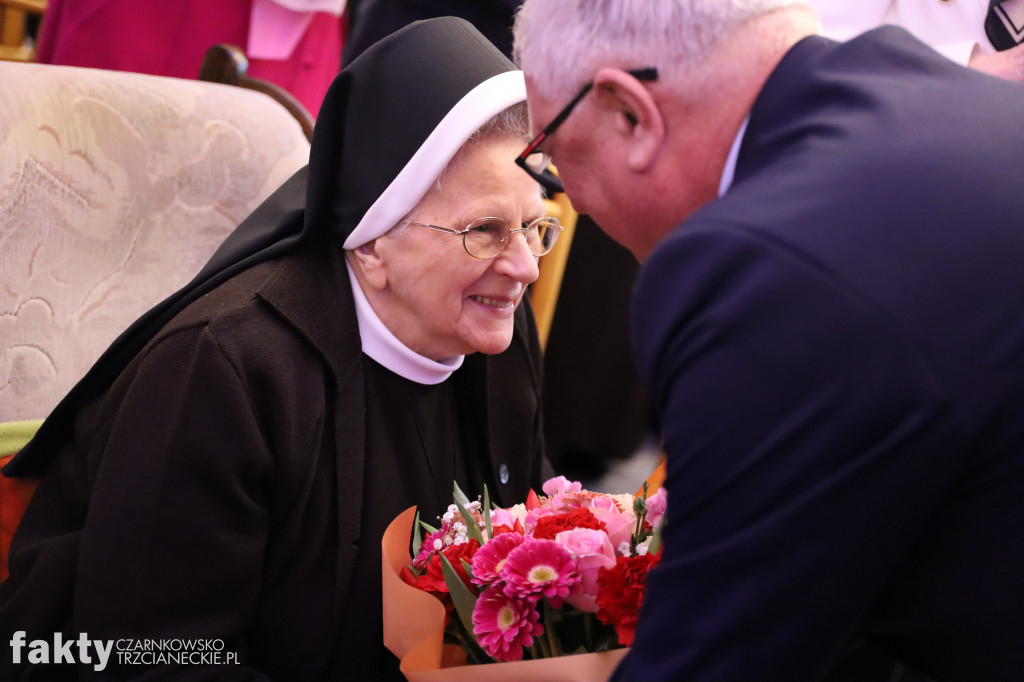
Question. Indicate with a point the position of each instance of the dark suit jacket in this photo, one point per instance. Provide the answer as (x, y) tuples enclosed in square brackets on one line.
[(836, 350), (215, 491)]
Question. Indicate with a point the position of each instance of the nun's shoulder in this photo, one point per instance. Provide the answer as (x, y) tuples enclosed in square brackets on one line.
[(240, 322), (227, 300)]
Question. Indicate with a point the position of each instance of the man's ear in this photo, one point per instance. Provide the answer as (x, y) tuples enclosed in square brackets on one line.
[(638, 117), (368, 261)]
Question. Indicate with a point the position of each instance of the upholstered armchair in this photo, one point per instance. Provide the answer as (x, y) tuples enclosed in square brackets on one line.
[(115, 188)]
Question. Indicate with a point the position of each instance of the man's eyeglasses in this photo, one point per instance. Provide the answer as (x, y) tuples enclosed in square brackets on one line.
[(535, 162), (487, 237)]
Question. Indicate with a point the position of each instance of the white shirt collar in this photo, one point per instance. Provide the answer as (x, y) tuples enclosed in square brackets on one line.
[(381, 345), (730, 161)]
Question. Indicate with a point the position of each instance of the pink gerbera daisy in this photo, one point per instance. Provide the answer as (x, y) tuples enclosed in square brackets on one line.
[(490, 558), (503, 625), (540, 568)]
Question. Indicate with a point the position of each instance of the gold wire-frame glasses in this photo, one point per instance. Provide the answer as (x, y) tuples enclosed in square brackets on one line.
[(485, 238)]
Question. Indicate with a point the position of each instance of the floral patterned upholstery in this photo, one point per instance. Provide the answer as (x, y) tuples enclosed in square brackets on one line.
[(115, 188)]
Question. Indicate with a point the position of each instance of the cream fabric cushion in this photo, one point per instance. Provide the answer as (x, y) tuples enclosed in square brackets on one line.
[(115, 188)]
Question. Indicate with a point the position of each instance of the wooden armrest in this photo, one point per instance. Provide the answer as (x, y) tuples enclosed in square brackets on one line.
[(223, 64), (16, 54), (227, 64), (33, 6), (13, 17)]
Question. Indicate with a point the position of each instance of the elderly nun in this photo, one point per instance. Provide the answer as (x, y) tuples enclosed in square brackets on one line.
[(225, 472)]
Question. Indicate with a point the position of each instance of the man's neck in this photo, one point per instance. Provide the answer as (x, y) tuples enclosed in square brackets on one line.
[(714, 100)]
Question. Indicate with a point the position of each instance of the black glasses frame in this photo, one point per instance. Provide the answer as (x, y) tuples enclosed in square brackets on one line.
[(545, 177)]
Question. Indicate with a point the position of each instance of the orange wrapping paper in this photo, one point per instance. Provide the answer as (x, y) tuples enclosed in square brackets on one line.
[(414, 631)]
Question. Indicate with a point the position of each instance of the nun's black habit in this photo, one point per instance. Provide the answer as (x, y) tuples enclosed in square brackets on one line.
[(226, 470)]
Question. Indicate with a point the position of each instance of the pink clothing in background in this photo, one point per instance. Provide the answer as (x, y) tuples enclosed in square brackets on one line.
[(170, 39)]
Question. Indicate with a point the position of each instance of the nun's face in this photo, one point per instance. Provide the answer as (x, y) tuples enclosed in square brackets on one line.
[(433, 296)]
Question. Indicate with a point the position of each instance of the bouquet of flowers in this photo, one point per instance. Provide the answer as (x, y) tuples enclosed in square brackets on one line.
[(562, 573)]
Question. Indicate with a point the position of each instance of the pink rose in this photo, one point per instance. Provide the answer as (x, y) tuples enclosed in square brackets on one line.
[(503, 517), (592, 550), (656, 505), (604, 502), (561, 484), (618, 525)]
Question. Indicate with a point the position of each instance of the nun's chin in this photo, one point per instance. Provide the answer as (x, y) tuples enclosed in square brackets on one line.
[(489, 340)]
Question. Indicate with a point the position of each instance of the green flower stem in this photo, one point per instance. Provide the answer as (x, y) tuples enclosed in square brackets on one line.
[(545, 650), (549, 630), (640, 509), (474, 654)]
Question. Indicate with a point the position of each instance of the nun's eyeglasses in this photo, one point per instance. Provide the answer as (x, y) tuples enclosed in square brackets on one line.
[(535, 162), (487, 237)]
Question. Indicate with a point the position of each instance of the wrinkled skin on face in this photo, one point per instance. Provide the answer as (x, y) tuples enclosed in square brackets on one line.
[(427, 290)]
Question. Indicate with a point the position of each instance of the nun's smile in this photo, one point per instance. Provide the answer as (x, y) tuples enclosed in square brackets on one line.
[(427, 289), (498, 304)]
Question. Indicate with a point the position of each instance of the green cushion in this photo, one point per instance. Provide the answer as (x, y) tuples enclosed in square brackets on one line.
[(15, 435)]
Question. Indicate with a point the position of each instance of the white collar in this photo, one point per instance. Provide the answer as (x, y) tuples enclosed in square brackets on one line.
[(381, 345), (730, 161)]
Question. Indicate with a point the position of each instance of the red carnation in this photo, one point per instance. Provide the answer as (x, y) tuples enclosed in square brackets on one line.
[(551, 525), (432, 578), (622, 593)]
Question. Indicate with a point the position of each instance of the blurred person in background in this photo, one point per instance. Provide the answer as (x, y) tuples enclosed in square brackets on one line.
[(983, 34), (293, 43)]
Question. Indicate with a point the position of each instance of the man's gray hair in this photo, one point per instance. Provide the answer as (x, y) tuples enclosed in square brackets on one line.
[(562, 43)]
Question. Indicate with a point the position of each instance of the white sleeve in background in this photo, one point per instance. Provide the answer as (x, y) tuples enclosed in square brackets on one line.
[(959, 52), (954, 29)]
